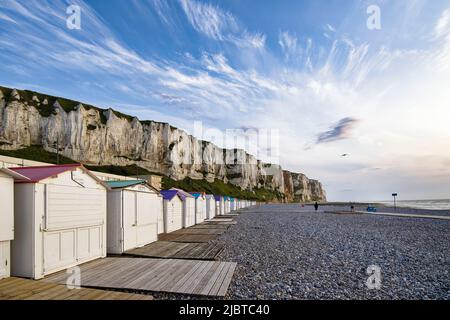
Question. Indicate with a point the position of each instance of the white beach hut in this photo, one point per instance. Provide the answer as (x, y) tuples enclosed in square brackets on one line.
[(188, 209), (179, 209), (172, 210), (232, 204), (7, 178), (210, 206), (59, 219), (200, 206), (222, 206), (227, 205), (133, 211)]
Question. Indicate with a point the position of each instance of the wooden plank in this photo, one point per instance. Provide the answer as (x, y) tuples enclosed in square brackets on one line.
[(211, 281), (176, 286), (195, 251), (108, 270), (189, 286), (152, 275), (16, 286), (212, 273), (168, 249), (227, 280), (34, 289), (155, 275), (226, 223), (216, 231), (169, 282), (195, 238), (41, 290), (219, 281), (211, 226)]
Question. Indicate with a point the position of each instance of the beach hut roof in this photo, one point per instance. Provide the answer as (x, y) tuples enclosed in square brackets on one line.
[(170, 194), (16, 176), (197, 195), (124, 183), (39, 173), (217, 197)]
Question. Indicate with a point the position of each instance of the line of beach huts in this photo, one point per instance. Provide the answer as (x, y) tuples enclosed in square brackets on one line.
[(54, 217)]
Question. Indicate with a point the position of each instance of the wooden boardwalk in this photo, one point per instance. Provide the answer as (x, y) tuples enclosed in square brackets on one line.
[(177, 250), (229, 215), (211, 226), (26, 289), (216, 231), (207, 278), (193, 238), (218, 222)]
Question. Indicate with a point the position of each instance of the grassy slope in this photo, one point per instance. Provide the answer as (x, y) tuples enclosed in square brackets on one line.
[(37, 153)]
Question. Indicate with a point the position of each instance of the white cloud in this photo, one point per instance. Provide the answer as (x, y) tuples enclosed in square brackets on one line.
[(329, 27), (208, 19), (442, 27), (288, 44), (220, 25), (161, 8), (7, 18)]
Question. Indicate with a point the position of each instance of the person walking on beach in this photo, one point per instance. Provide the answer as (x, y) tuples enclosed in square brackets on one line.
[(316, 206)]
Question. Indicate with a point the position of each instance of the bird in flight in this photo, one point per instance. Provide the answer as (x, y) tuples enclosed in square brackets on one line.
[(344, 155)]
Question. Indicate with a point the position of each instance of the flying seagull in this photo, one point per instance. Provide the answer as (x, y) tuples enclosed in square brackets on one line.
[(344, 155)]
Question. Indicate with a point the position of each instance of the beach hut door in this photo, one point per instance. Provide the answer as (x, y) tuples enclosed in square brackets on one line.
[(129, 220)]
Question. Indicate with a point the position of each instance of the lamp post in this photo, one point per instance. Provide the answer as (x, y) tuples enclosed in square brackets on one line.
[(395, 204)]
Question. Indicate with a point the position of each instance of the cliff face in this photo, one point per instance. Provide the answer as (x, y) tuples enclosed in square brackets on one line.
[(105, 137)]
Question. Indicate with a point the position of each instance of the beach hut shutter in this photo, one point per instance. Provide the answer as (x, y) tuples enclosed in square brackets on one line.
[(72, 207)]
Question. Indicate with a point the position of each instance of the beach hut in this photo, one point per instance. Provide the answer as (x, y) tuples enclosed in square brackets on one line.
[(210, 206), (59, 219), (7, 178), (188, 209), (218, 200), (172, 210), (200, 206), (133, 211), (179, 209), (227, 205), (232, 204)]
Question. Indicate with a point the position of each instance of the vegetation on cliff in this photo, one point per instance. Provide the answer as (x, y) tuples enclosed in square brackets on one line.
[(37, 153)]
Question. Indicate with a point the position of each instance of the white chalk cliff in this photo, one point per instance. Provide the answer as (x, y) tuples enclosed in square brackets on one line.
[(105, 137)]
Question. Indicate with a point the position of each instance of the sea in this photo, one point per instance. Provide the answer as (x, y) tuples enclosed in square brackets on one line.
[(421, 204)]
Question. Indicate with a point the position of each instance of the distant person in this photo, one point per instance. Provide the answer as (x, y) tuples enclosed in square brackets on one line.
[(316, 206), (352, 208)]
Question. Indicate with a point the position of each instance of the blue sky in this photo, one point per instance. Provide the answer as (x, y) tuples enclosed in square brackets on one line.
[(310, 69)]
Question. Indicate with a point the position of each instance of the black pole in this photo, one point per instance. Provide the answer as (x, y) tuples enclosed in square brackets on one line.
[(57, 150)]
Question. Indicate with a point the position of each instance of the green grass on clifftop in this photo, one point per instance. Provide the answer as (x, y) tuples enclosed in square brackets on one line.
[(221, 188), (37, 153)]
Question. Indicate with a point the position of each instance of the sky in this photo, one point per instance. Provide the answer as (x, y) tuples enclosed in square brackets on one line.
[(356, 98)]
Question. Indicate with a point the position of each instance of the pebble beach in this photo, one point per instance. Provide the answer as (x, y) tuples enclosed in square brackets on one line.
[(293, 252)]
